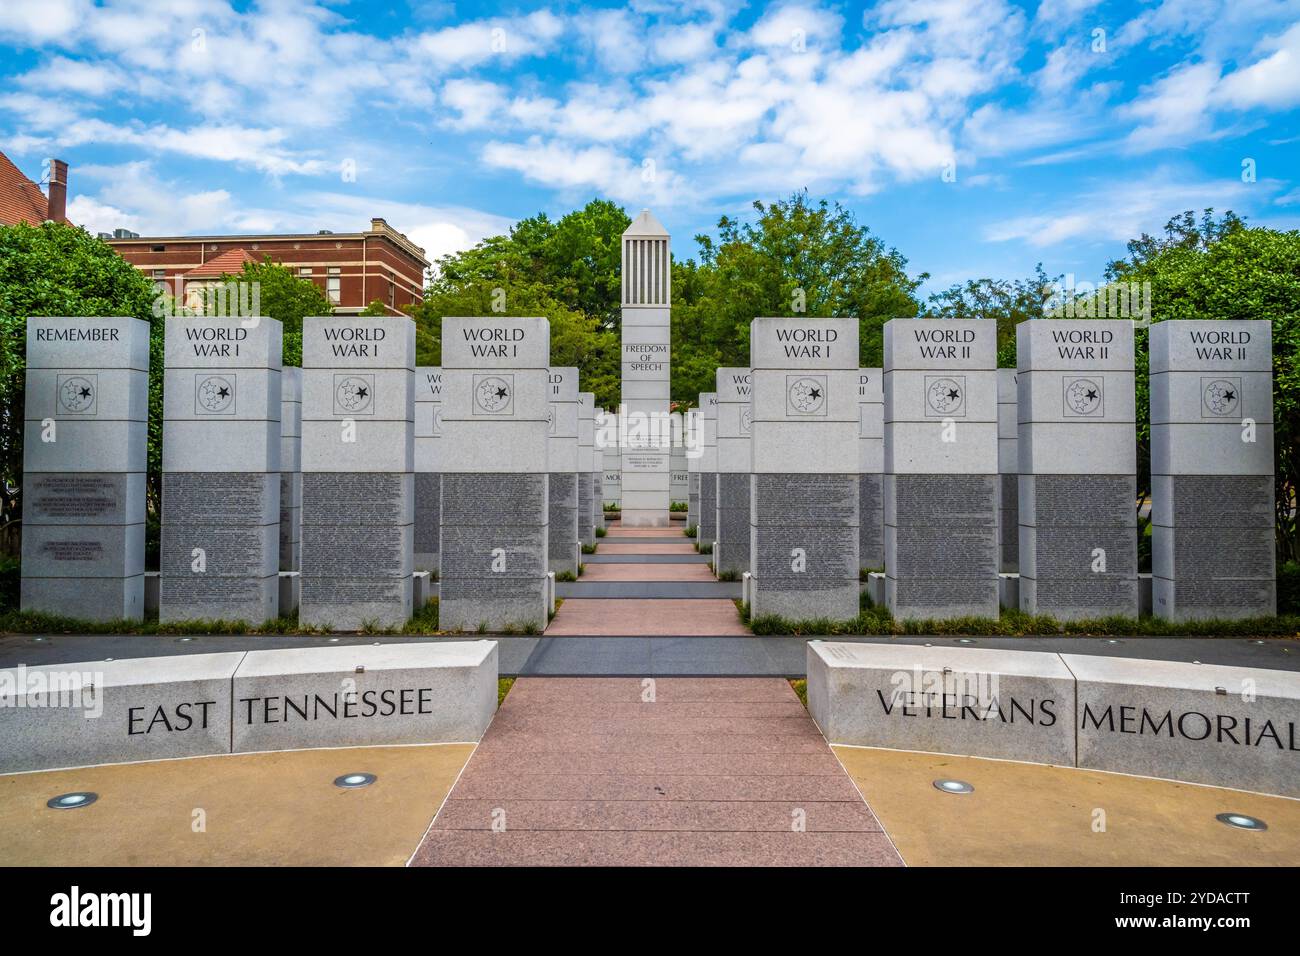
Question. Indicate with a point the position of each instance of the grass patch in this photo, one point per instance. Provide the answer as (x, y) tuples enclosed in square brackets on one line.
[(423, 622), (705, 548), (690, 530), (601, 532), (581, 568), (864, 574), (591, 548), (800, 686), (503, 687), (674, 506), (874, 619), (728, 575), (609, 507), (567, 577)]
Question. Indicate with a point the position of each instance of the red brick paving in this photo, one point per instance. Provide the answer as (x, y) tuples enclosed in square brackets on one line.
[(619, 532), (647, 572), (599, 617), (633, 547), (711, 772)]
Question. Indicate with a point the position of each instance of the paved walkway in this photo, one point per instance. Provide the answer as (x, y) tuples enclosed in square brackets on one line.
[(640, 592), (709, 772)]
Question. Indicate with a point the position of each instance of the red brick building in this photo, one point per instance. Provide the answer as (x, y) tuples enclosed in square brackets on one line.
[(353, 269), (21, 200)]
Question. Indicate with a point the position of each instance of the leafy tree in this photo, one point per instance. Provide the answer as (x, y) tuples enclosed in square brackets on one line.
[(1227, 271), (798, 258), (57, 269), (284, 296), (1006, 301), (374, 308)]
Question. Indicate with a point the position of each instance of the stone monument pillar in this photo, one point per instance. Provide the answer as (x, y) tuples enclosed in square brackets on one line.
[(941, 468), (290, 470), (731, 555), (804, 529), (565, 551), (646, 299), (1008, 472), (611, 485), (84, 456), (428, 470), (693, 492), (679, 482), (495, 506), (871, 465), (358, 489), (707, 534), (588, 505), (1077, 449), (220, 554), (1212, 491)]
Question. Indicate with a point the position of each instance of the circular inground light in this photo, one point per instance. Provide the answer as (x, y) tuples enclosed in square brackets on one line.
[(70, 801), (351, 781), (1112, 641), (964, 640), (183, 640), (1241, 821), (953, 786)]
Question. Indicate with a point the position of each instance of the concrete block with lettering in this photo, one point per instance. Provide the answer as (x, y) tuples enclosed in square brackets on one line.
[(565, 547), (588, 504), (871, 464), (804, 518), (646, 356), (151, 708), (1008, 475), (442, 692), (708, 529), (220, 547), (290, 471), (1213, 550), (679, 484), (941, 468), (734, 425), (358, 450), (1077, 462), (495, 504), (428, 465), (84, 458), (611, 476), (1223, 726), (979, 702)]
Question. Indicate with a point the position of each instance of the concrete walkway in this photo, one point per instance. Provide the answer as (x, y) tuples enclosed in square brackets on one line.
[(667, 772), (657, 585)]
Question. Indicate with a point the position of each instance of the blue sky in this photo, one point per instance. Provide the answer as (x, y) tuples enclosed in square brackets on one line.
[(976, 136)]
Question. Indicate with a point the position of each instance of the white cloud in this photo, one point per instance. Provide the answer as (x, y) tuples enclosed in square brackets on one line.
[(1175, 109), (593, 167), (1116, 212), (1273, 81)]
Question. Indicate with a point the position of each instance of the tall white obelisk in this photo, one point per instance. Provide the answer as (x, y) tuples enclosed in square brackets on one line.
[(646, 440)]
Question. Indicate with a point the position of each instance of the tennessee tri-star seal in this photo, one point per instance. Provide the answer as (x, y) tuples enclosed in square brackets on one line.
[(214, 394), (493, 394), (1222, 397), (944, 395), (354, 394), (806, 396), (77, 394), (1083, 396)]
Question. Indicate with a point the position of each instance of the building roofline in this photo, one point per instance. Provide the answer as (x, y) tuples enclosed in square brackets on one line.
[(396, 237)]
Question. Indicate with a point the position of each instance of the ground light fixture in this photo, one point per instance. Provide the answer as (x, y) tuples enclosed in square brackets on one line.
[(953, 786), (354, 781), (72, 801), (1241, 821), (964, 640)]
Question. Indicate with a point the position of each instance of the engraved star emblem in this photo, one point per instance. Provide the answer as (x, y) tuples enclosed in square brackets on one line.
[(501, 393), (815, 392), (1229, 396), (953, 393), (223, 392), (362, 392), (1091, 394), (84, 393)]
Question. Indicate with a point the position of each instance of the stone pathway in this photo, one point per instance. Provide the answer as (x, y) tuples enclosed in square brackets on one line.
[(726, 772), (589, 610)]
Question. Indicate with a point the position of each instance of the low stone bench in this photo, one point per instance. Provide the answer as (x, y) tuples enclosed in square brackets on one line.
[(154, 708), (1016, 705), (1222, 726), (150, 708), (1225, 726), (357, 696)]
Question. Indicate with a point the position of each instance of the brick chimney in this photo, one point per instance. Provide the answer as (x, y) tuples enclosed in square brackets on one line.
[(58, 194)]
